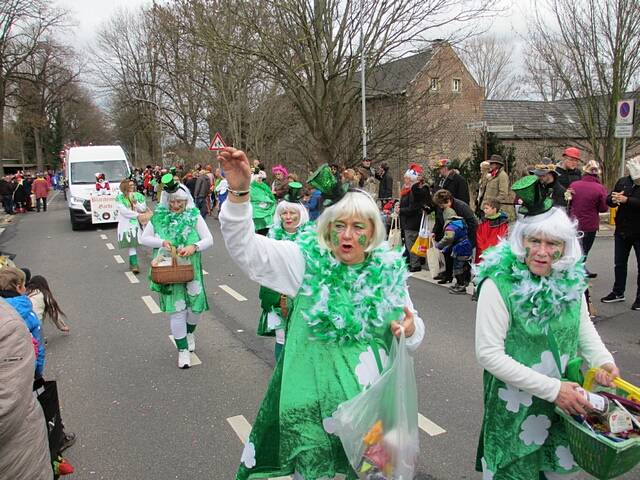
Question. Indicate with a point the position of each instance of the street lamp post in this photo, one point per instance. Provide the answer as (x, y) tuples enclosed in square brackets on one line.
[(362, 83), (159, 124)]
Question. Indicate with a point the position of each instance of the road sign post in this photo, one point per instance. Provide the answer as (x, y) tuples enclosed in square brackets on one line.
[(624, 127)]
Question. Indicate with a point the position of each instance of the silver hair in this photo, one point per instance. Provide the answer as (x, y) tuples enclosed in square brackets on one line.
[(553, 224), (284, 205), (354, 203)]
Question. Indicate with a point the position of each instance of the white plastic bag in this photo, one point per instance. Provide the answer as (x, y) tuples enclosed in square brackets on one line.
[(435, 260), (395, 238), (163, 259), (379, 427)]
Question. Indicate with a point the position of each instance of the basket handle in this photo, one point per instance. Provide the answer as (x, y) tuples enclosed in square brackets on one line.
[(174, 256), (632, 390)]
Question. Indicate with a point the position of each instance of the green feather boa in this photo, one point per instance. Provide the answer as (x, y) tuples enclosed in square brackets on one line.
[(174, 227), (350, 301), (538, 299), (279, 233)]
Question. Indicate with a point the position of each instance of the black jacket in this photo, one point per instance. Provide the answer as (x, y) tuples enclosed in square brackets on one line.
[(411, 206), (462, 210), (457, 185), (385, 189), (628, 216), (556, 193), (566, 177), (6, 188)]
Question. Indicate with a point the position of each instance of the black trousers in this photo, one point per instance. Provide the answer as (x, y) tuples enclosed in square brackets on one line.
[(622, 249), (41, 201)]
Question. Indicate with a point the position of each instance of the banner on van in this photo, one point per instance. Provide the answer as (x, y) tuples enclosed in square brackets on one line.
[(103, 209)]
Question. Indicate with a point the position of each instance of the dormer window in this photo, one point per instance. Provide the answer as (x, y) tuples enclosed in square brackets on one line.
[(456, 85)]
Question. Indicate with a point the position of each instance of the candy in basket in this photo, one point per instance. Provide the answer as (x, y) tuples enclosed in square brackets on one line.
[(168, 268)]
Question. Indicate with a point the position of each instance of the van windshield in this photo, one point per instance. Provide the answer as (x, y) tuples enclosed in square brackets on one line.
[(85, 172)]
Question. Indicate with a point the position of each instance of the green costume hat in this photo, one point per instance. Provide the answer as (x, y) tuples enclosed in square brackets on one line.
[(533, 195), (325, 181), (173, 170), (169, 184), (295, 192)]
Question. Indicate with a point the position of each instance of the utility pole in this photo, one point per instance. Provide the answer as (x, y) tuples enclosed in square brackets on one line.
[(363, 92)]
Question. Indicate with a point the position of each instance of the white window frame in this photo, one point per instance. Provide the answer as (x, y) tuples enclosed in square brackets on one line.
[(435, 84), (456, 82)]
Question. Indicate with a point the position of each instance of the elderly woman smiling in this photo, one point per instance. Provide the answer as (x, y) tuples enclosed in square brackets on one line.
[(350, 298), (531, 321)]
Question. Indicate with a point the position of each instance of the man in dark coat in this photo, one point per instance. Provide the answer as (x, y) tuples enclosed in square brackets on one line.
[(444, 199), (6, 193), (626, 196), (452, 181), (385, 188), (568, 171)]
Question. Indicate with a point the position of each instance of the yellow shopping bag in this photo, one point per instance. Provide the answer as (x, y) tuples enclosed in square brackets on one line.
[(420, 246)]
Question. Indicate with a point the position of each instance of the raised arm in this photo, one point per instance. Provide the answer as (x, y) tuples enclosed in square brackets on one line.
[(275, 264)]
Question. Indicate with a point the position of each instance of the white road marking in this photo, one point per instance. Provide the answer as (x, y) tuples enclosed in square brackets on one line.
[(243, 429), (204, 272), (104, 237), (194, 358), (2, 230), (132, 278), (110, 246), (429, 427), (98, 229), (233, 293), (118, 258), (151, 304), (53, 197)]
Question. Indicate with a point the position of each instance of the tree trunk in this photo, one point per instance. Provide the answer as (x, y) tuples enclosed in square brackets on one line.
[(2, 105), (38, 146)]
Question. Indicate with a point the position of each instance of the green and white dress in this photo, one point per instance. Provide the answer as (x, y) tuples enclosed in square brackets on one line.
[(522, 435), (181, 229), (340, 315), (128, 226)]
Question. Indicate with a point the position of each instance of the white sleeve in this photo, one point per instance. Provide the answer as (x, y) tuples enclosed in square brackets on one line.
[(206, 239), (589, 342), (492, 324), (126, 212), (149, 237), (276, 264), (414, 341)]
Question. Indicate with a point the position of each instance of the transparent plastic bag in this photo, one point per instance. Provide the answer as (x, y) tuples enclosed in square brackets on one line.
[(163, 259), (379, 427)]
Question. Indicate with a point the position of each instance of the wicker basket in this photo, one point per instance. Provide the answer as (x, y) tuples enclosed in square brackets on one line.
[(597, 455), (174, 273)]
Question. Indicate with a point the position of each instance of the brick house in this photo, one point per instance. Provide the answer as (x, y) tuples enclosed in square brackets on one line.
[(418, 106)]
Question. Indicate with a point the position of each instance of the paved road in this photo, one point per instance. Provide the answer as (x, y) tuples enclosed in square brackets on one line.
[(137, 416)]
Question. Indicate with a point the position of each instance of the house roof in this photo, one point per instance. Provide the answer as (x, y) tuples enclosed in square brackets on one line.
[(534, 119), (394, 77)]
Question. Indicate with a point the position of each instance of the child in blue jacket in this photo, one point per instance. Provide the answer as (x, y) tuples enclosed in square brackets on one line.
[(12, 289), (456, 241)]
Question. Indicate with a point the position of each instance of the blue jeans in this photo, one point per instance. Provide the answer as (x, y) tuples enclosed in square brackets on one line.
[(622, 249)]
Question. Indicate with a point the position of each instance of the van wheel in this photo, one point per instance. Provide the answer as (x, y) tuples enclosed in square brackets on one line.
[(75, 226)]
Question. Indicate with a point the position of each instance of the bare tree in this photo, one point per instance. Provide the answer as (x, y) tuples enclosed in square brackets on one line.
[(312, 48), (489, 59), (23, 25), (540, 79), (592, 47)]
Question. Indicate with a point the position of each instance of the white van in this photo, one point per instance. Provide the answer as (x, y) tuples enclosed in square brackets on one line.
[(82, 164)]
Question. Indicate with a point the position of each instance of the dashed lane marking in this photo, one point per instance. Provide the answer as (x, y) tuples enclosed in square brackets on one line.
[(429, 427), (104, 237), (194, 358), (2, 230), (132, 277), (118, 258), (204, 272), (151, 304), (232, 292), (110, 246)]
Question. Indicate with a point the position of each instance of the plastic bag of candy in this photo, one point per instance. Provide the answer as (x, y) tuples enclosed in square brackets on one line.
[(379, 427)]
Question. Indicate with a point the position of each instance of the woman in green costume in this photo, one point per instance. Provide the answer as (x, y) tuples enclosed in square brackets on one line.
[(350, 298), (130, 205), (177, 223), (290, 218), (531, 321)]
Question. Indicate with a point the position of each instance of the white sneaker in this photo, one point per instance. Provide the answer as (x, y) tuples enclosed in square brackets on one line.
[(191, 342), (184, 359)]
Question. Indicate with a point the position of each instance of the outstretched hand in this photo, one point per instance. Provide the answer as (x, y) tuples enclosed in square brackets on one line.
[(408, 324), (236, 168)]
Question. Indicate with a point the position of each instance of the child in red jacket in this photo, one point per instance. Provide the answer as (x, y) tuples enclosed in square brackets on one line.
[(494, 227)]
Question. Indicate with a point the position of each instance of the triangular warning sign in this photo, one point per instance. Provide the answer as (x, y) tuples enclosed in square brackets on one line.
[(217, 143)]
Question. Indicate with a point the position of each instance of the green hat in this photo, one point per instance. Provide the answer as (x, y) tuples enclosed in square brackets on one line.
[(295, 192), (533, 195), (169, 184), (325, 181), (173, 170)]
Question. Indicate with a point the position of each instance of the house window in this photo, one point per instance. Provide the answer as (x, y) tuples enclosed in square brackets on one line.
[(435, 83), (456, 84)]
